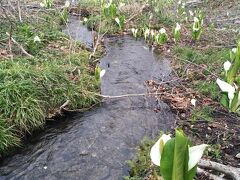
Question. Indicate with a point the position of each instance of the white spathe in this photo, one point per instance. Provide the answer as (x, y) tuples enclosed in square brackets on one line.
[(108, 4), (36, 39), (196, 20), (121, 5), (195, 152), (178, 27), (147, 32), (155, 152), (152, 33), (193, 102), (102, 73), (225, 87), (162, 31), (234, 50), (67, 4), (117, 20), (191, 13), (42, 4), (227, 65)]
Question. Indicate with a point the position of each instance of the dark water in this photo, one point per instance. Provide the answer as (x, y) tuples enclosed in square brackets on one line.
[(97, 144), (79, 32)]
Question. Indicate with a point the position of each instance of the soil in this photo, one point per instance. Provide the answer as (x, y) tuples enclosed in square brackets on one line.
[(222, 131)]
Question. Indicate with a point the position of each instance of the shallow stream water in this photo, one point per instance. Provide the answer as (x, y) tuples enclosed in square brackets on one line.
[(97, 144)]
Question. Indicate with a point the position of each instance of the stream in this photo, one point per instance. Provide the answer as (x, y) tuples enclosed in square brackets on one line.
[(96, 144)]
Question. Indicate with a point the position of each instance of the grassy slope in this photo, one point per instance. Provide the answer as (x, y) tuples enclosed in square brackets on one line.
[(33, 89)]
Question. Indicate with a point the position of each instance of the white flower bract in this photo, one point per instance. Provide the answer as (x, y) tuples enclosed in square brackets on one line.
[(102, 73), (234, 50), (191, 13), (195, 152), (225, 87), (178, 27), (162, 31), (36, 39), (193, 102), (155, 152), (67, 4), (117, 20), (227, 65), (196, 20)]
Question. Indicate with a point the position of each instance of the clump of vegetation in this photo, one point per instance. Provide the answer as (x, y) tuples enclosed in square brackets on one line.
[(231, 95), (204, 113), (49, 72), (175, 156), (140, 166)]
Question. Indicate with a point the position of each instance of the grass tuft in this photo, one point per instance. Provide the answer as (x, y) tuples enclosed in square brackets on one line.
[(33, 89)]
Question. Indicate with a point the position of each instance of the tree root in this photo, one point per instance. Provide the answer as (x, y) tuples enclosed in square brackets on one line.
[(209, 175), (228, 170)]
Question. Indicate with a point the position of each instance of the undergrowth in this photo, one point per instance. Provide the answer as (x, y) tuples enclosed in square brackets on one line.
[(33, 89)]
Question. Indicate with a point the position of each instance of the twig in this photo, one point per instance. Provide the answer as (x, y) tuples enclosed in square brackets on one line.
[(10, 30), (19, 11), (232, 171), (128, 95), (96, 45), (64, 105), (20, 46), (210, 175)]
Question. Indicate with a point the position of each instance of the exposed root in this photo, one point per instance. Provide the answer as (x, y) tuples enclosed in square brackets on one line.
[(209, 175), (228, 170)]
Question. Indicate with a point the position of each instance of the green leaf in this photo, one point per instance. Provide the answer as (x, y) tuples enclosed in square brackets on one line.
[(234, 104), (191, 174), (166, 163), (224, 100), (97, 73), (174, 160), (180, 154)]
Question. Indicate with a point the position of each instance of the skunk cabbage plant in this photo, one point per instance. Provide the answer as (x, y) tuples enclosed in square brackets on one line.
[(176, 157)]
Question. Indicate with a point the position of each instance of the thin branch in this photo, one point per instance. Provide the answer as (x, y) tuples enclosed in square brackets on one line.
[(19, 11), (97, 43), (64, 105), (20, 46), (128, 95)]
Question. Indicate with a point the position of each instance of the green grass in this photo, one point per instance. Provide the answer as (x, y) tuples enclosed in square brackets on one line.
[(208, 57), (209, 89), (214, 151), (33, 89), (204, 113)]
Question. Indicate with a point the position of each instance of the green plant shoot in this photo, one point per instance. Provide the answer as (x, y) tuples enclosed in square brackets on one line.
[(175, 156)]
